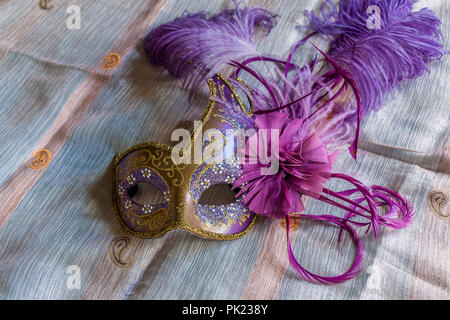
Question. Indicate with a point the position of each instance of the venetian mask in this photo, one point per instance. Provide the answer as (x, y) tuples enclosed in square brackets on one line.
[(183, 184)]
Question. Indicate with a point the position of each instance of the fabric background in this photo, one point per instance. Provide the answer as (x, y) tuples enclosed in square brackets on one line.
[(55, 95)]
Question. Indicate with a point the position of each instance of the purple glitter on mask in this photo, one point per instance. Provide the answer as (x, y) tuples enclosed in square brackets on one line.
[(206, 176)]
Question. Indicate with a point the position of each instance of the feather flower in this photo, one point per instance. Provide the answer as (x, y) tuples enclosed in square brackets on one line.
[(304, 166)]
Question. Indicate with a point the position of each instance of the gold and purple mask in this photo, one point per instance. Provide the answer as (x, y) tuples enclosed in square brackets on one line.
[(183, 184)]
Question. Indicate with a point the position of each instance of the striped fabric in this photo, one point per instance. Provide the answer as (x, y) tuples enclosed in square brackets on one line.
[(58, 222)]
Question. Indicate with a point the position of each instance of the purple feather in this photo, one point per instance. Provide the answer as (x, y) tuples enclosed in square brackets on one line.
[(380, 57), (194, 47), (354, 269), (366, 205), (303, 94)]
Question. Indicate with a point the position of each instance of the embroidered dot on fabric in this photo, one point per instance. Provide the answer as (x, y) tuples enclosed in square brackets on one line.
[(112, 60), (43, 159), (295, 222), (437, 200), (117, 249), (44, 4)]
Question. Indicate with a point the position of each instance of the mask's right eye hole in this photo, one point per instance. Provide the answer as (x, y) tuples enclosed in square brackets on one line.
[(145, 193), (219, 194)]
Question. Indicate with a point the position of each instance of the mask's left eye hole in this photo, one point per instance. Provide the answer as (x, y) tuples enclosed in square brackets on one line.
[(145, 193), (219, 194)]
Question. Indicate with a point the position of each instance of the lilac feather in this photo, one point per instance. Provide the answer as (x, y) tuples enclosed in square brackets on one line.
[(194, 47), (379, 59)]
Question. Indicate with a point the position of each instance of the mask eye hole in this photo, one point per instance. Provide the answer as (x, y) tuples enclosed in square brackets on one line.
[(219, 194), (144, 193)]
